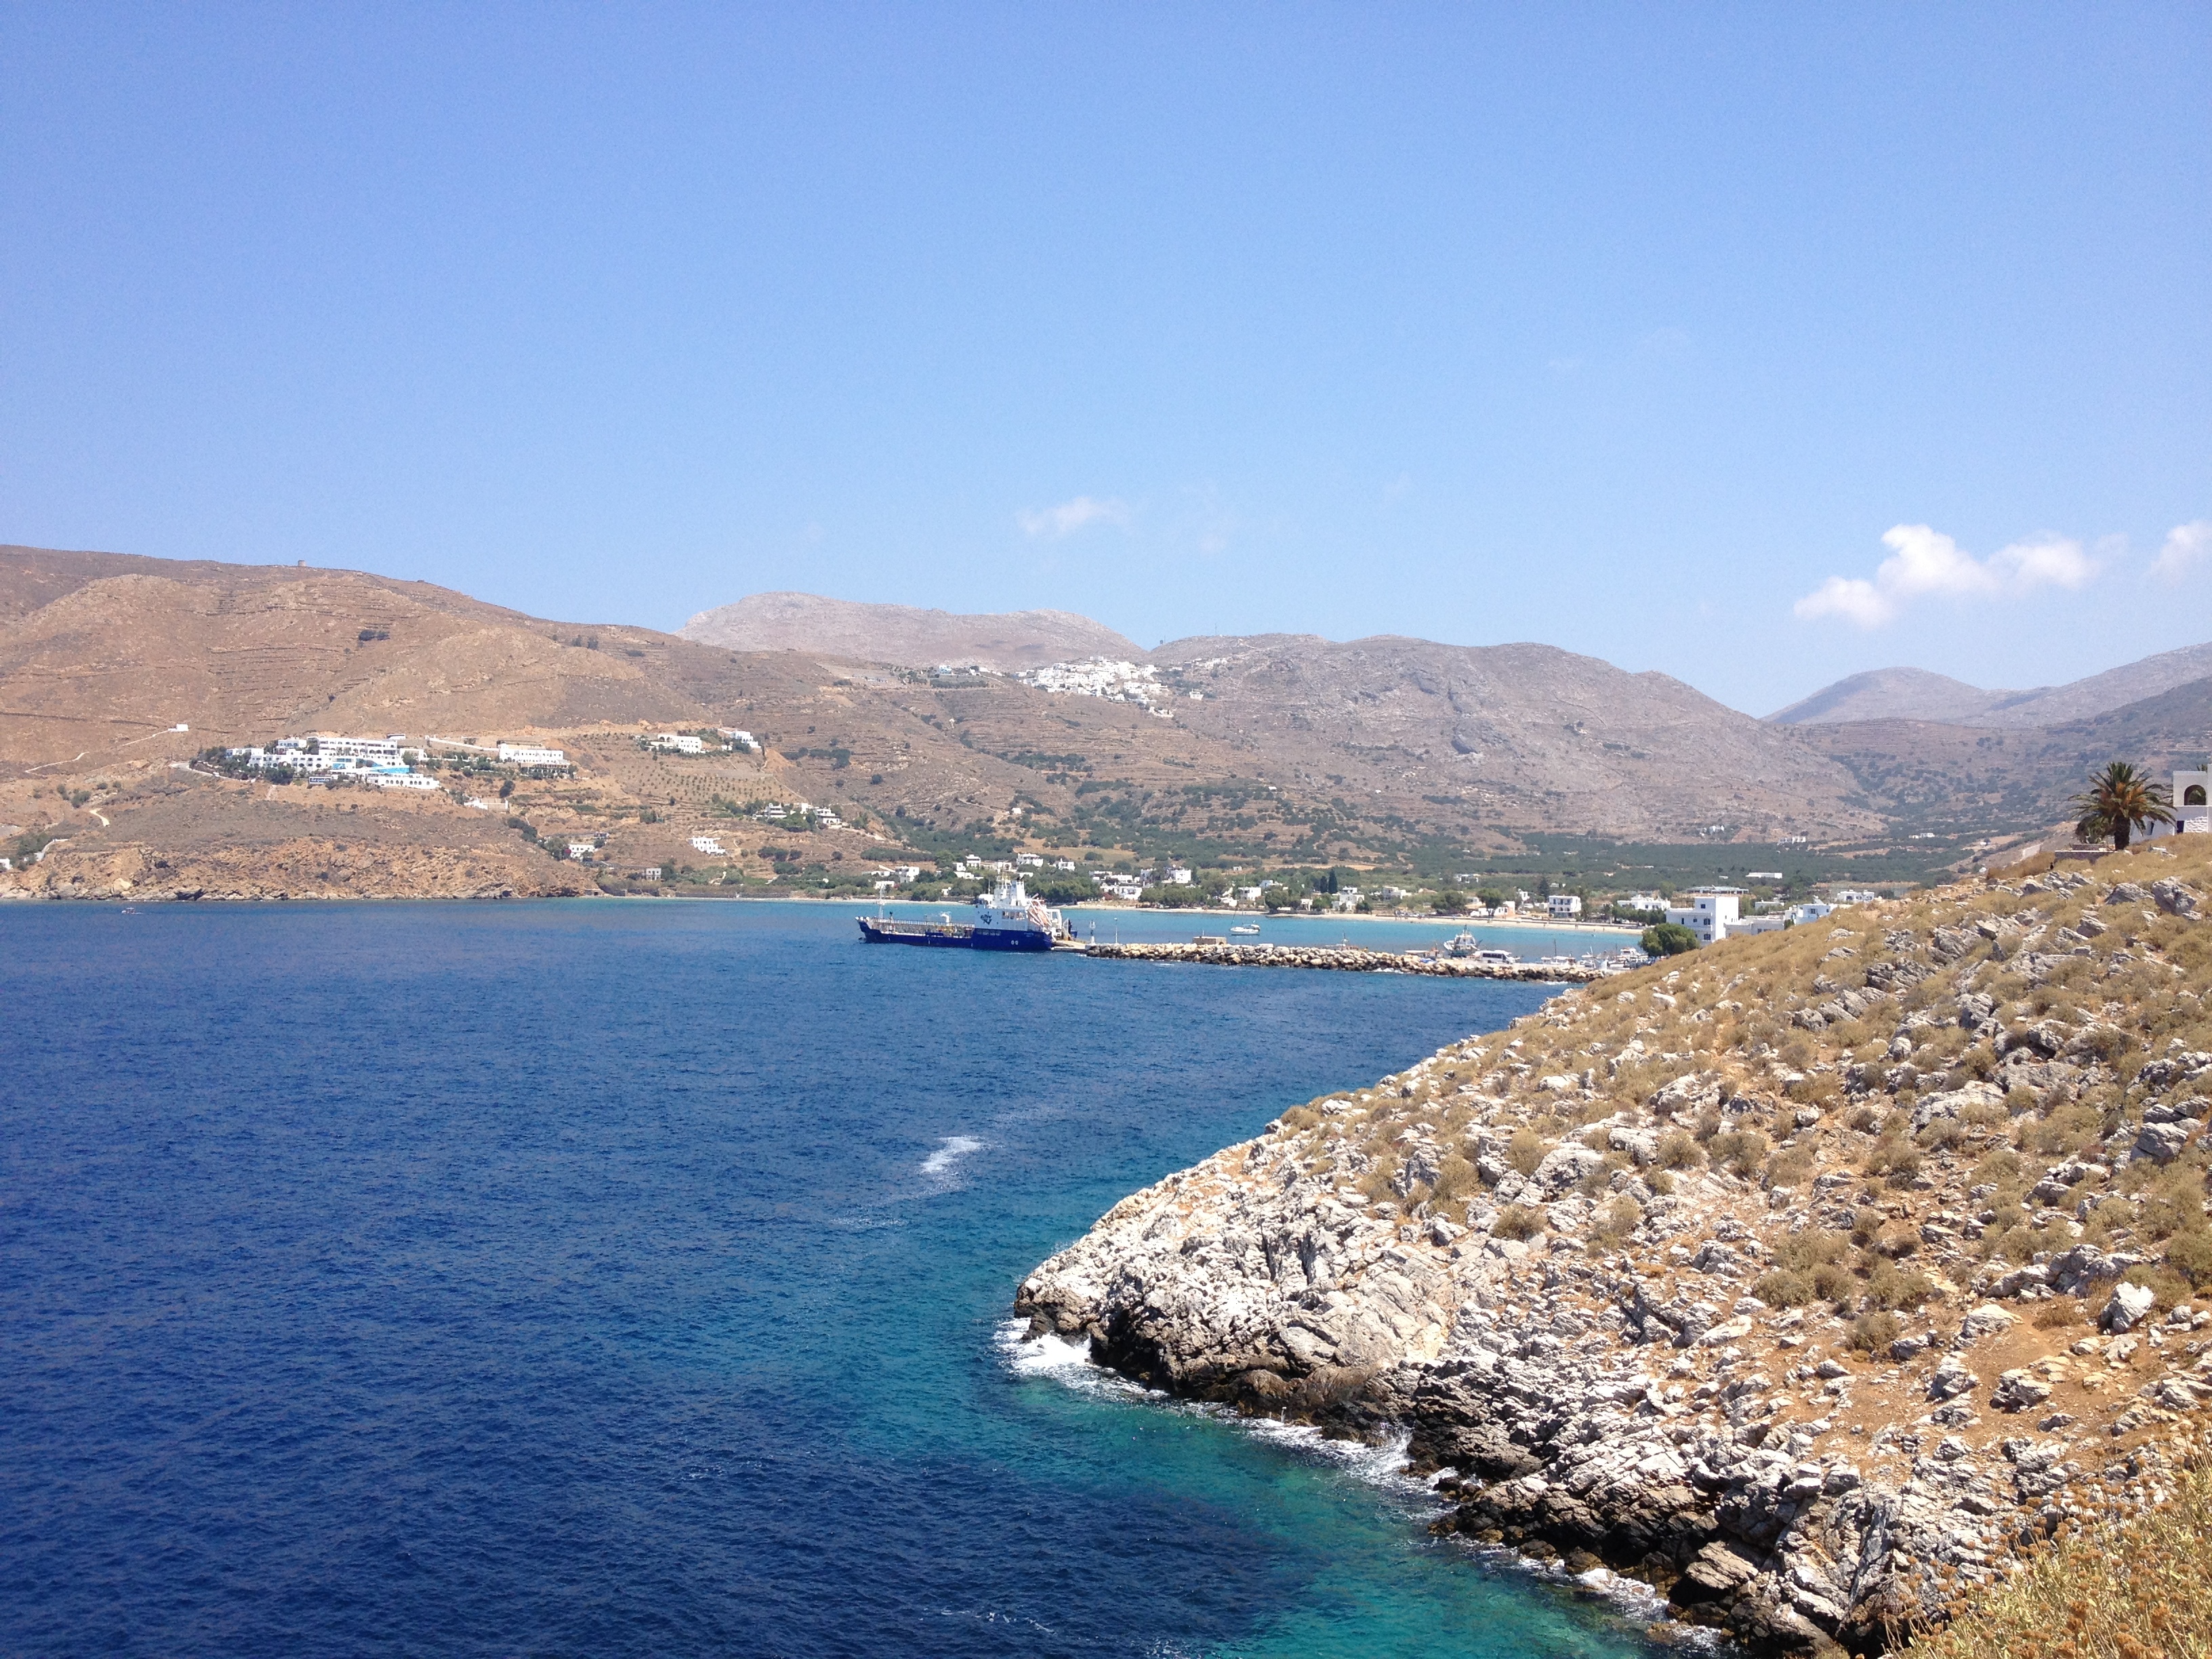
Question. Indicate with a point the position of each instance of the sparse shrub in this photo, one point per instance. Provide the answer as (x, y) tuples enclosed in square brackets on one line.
[(1456, 1177), (1784, 1289), (1301, 1117), (1864, 1120), (1660, 1181), (1894, 1287), (1899, 1243), (1739, 1152), (1832, 1282), (1815, 1089), (1790, 1167), (1873, 1332), (1678, 1151), (2000, 1167), (2058, 1313), (1375, 1181), (1800, 1252), (1519, 1221), (1526, 1151), (1867, 1223), (1619, 1218), (2190, 1255), (1945, 1134)]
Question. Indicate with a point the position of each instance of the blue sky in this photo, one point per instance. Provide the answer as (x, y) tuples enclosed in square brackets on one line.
[(1634, 330)]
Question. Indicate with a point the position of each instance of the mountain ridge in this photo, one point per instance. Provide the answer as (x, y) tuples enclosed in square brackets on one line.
[(1917, 694), (906, 636)]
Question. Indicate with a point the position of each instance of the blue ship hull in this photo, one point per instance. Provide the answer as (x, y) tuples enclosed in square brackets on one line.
[(959, 936)]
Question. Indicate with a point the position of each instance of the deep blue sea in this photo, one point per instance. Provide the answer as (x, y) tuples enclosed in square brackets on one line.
[(632, 1277)]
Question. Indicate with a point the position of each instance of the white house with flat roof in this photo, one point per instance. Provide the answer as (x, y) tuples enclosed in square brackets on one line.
[(531, 753), (1710, 912), (1563, 907)]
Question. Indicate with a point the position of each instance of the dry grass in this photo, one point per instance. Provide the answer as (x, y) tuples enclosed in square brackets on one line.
[(2137, 1589)]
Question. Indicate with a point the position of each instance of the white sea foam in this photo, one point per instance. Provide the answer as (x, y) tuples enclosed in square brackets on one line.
[(1069, 1364), (1044, 1356), (1382, 1465), (949, 1151)]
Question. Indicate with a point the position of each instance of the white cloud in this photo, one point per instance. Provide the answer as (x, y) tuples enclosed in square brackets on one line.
[(1851, 597), (2186, 546), (1052, 523), (1924, 561)]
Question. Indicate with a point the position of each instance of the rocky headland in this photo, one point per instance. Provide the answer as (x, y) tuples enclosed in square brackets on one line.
[(1815, 1278)]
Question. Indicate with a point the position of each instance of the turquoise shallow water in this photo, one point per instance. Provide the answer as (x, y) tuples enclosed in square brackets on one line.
[(633, 1278)]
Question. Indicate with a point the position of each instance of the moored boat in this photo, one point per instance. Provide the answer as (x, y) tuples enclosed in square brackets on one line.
[(1006, 919)]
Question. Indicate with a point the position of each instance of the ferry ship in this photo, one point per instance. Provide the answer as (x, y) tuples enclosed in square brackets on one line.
[(1008, 918)]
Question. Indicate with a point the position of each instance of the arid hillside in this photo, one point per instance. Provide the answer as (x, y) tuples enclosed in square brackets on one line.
[(1914, 694), (1814, 1278), (1921, 775), (904, 636), (1512, 735), (1287, 749)]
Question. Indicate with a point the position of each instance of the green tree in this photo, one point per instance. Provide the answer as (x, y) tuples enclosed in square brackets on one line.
[(1448, 902), (2120, 800), (1669, 938)]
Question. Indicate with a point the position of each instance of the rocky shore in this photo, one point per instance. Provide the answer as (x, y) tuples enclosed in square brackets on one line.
[(1813, 1278), (1343, 959)]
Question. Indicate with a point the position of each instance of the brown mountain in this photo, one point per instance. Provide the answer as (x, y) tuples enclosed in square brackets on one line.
[(1525, 736), (1291, 749), (1884, 694), (1969, 779), (905, 636)]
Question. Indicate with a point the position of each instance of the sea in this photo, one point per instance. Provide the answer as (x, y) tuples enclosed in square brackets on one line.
[(613, 1277)]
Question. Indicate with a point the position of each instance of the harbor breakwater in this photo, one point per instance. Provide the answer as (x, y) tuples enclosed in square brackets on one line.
[(1346, 959)]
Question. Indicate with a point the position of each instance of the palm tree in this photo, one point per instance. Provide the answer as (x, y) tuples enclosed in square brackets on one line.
[(2120, 800)]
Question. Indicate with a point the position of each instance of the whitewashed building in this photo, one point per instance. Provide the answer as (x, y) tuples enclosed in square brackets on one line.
[(531, 753), (1709, 913), (1563, 907), (2192, 802)]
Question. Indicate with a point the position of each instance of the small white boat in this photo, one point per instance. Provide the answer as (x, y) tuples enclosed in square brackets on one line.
[(1253, 928)]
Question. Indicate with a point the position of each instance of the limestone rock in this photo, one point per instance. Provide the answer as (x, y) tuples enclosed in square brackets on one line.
[(2126, 1309)]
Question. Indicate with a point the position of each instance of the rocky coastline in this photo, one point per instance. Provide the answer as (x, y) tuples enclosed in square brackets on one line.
[(1576, 1260)]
